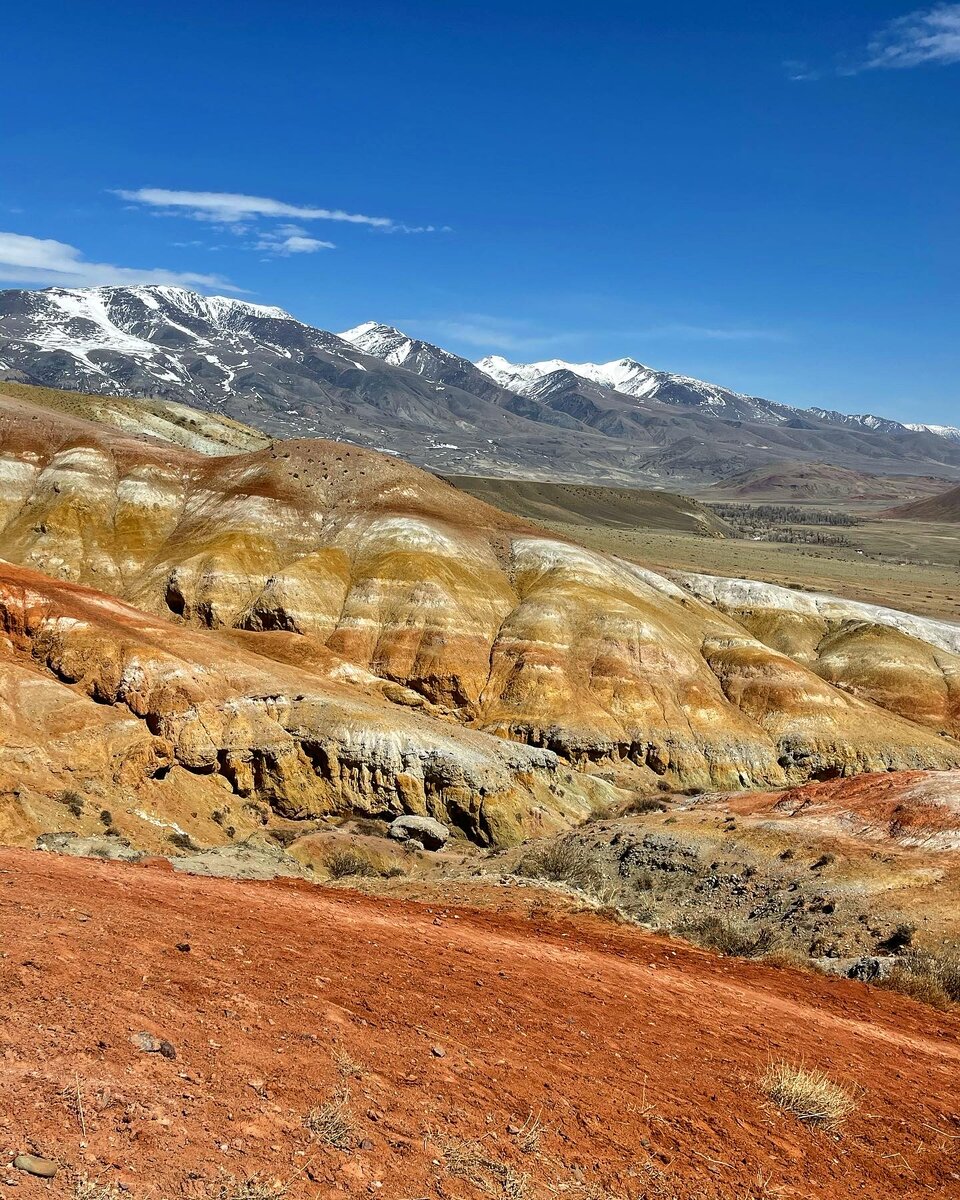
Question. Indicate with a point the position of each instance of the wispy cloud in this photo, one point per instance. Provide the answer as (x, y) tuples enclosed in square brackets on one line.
[(523, 336), (228, 208), (255, 218), (26, 259), (927, 36), (486, 332), (291, 239)]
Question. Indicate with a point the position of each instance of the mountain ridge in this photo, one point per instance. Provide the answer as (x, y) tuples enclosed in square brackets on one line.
[(379, 388)]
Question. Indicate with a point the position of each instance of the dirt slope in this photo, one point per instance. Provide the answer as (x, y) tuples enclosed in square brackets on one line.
[(208, 432), (576, 505), (639, 1056), (942, 507), (820, 483)]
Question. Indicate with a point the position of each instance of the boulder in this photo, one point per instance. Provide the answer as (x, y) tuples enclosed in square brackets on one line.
[(431, 834)]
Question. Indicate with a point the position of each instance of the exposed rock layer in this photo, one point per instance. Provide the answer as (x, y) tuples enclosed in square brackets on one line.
[(443, 604), (102, 701)]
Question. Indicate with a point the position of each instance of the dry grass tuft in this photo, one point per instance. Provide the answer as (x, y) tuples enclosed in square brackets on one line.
[(809, 1095), (349, 862), (918, 985), (346, 1066), (568, 861), (333, 1122), (529, 1133), (740, 940), (465, 1159), (344, 864), (91, 1189), (253, 1188), (930, 977)]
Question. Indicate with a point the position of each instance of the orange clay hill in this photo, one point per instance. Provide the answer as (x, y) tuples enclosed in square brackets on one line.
[(319, 629)]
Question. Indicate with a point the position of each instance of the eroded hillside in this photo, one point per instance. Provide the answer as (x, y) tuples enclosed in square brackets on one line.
[(309, 578)]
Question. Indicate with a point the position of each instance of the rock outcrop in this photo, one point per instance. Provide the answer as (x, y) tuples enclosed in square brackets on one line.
[(331, 629), (104, 705)]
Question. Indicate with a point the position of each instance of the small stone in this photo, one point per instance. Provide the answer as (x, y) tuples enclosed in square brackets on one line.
[(366, 1144), (153, 1045), (45, 1168), (183, 947), (438, 1052)]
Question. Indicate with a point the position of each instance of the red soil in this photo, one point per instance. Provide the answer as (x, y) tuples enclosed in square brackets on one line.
[(639, 1055)]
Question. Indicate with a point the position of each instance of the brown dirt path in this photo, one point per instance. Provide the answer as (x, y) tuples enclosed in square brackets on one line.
[(639, 1055)]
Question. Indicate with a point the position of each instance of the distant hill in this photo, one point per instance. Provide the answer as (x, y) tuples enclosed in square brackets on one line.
[(206, 432), (942, 507), (581, 504), (814, 481)]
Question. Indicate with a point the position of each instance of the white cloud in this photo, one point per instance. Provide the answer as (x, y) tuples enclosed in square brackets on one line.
[(42, 260), (230, 207), (291, 239), (523, 336), (927, 36)]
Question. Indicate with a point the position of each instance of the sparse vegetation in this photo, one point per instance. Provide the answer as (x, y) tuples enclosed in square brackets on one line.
[(92, 1189), (349, 862), (466, 1158), (730, 937), (528, 1134), (332, 1122), (256, 1187), (570, 862), (72, 801), (930, 978), (644, 804), (810, 1095), (182, 841)]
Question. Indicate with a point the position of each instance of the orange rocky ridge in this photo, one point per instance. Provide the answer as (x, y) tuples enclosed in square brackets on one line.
[(321, 629)]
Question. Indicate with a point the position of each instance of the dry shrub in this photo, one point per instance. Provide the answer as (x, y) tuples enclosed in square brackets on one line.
[(730, 937), (72, 801), (942, 967), (810, 1095), (465, 1158), (568, 861), (333, 1122), (644, 804), (918, 985), (346, 863), (786, 958)]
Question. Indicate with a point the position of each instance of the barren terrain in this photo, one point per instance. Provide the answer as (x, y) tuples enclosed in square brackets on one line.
[(498, 1050)]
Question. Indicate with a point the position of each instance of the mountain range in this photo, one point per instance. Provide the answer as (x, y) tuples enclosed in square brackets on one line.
[(618, 422)]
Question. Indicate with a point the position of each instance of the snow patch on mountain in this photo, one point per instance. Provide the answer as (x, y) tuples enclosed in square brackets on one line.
[(944, 431)]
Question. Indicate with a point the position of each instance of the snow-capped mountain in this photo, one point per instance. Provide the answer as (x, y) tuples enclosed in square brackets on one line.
[(629, 377), (619, 422), (947, 431), (625, 375)]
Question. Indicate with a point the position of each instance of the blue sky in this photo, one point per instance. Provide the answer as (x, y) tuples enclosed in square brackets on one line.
[(761, 195)]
